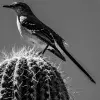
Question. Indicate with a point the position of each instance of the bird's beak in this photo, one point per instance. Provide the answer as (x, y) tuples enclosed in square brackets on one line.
[(8, 6)]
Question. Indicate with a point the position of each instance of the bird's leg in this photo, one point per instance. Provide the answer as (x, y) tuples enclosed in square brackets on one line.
[(42, 52), (45, 49)]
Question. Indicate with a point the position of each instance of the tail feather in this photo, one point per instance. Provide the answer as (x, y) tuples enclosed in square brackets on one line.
[(76, 62)]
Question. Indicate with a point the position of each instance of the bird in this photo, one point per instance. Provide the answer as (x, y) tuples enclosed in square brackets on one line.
[(36, 32)]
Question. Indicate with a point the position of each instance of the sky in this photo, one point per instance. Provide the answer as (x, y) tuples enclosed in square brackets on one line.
[(78, 22)]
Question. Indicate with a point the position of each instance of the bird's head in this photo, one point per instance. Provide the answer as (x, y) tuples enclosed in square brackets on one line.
[(20, 8)]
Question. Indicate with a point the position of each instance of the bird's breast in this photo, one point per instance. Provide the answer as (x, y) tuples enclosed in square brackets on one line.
[(19, 26), (29, 36), (34, 40)]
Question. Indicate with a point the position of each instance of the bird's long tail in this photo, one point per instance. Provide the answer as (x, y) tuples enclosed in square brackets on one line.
[(75, 61)]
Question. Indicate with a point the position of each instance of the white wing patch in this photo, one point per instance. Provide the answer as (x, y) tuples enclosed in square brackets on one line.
[(22, 18)]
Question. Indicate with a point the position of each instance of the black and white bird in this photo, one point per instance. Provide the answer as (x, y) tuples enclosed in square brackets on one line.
[(35, 31)]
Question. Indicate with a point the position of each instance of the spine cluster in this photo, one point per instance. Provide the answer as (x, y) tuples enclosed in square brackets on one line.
[(30, 77)]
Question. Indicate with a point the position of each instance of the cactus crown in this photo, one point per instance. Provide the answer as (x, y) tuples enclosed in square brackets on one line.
[(25, 75)]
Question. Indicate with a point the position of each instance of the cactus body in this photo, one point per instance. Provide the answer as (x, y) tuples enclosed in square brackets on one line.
[(29, 77)]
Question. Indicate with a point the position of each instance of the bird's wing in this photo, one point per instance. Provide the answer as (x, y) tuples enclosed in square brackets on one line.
[(44, 32), (57, 53), (37, 26)]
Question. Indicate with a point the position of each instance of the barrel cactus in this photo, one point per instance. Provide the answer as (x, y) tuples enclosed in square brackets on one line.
[(25, 75)]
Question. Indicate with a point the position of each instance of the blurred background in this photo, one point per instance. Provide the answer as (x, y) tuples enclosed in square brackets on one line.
[(78, 22)]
